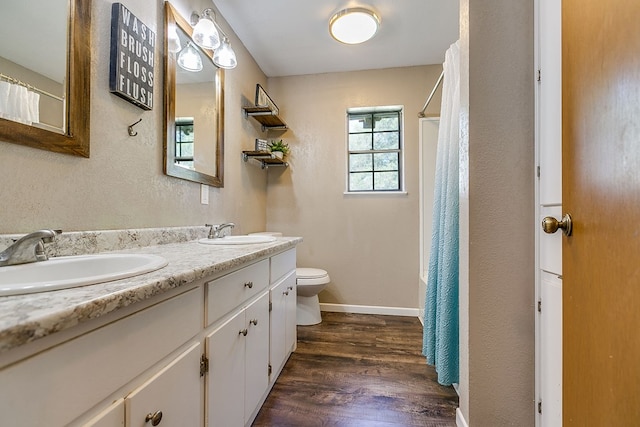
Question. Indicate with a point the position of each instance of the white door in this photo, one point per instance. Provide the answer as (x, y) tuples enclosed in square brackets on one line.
[(549, 276)]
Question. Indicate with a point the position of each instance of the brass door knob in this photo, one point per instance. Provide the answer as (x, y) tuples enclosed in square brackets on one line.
[(550, 225), (248, 285), (155, 418), (243, 332)]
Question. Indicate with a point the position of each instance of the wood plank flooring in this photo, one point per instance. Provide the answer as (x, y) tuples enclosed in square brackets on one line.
[(356, 370)]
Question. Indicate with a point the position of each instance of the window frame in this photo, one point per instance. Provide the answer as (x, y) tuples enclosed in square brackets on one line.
[(380, 110), (180, 122)]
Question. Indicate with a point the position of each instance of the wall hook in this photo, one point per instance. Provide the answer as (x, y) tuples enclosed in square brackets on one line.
[(131, 132)]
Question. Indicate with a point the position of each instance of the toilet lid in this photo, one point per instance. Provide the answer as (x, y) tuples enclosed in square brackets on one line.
[(310, 273)]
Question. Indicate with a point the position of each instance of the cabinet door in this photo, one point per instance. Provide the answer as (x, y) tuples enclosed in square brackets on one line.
[(256, 354), (278, 333), (113, 416), (225, 382), (291, 324), (172, 396)]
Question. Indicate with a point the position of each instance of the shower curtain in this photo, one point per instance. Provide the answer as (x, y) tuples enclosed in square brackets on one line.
[(440, 341)]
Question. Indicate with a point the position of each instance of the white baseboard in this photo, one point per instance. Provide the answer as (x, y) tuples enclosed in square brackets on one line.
[(460, 421), (369, 309)]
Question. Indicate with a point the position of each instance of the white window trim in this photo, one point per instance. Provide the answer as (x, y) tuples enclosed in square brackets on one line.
[(356, 110)]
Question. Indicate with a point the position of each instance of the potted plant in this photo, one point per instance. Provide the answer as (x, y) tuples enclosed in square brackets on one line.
[(279, 149)]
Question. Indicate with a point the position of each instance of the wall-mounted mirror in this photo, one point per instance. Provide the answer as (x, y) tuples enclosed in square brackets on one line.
[(45, 59), (194, 106)]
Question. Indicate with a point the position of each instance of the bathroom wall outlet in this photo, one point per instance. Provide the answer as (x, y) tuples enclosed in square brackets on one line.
[(204, 194)]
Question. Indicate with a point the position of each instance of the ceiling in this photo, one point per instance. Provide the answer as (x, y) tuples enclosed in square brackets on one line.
[(291, 37)]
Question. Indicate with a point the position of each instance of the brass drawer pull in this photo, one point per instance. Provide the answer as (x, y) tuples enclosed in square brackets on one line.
[(155, 418)]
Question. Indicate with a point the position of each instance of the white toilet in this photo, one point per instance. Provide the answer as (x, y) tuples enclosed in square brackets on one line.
[(309, 283)]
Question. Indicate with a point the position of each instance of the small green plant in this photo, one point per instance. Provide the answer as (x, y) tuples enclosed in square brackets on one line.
[(279, 146)]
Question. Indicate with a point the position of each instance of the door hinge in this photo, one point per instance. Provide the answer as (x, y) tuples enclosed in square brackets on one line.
[(539, 75), (540, 406), (270, 306), (538, 171), (269, 369), (204, 365), (539, 306)]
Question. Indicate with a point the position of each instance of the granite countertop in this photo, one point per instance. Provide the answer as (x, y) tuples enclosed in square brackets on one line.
[(26, 318)]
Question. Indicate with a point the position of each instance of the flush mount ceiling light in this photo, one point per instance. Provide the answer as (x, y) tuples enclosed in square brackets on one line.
[(354, 25)]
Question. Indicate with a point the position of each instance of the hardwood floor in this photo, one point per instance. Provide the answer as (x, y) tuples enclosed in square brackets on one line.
[(359, 370)]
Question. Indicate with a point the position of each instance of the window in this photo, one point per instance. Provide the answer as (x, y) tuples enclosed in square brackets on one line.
[(375, 149), (184, 142)]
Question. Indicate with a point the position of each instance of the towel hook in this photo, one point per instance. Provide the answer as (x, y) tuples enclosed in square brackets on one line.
[(131, 132)]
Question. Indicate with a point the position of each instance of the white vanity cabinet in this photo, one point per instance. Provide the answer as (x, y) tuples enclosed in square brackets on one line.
[(197, 356), (283, 334)]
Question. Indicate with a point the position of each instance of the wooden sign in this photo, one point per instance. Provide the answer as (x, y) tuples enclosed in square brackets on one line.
[(132, 58)]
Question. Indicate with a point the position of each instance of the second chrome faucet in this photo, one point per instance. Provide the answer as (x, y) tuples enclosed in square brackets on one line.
[(216, 231)]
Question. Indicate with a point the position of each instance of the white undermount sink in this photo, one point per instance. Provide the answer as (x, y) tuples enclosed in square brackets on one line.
[(238, 240), (72, 271)]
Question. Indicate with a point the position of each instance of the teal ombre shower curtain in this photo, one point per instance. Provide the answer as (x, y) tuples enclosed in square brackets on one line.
[(440, 341)]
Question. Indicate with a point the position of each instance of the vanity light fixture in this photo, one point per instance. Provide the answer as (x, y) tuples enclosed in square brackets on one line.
[(354, 25), (189, 59), (207, 34)]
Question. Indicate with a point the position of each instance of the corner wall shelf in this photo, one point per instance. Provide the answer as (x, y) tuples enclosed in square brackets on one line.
[(265, 111), (265, 158)]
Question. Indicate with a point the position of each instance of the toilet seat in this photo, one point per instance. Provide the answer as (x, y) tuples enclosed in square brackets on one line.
[(311, 276)]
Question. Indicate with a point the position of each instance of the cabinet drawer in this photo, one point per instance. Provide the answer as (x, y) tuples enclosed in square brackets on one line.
[(282, 263), (228, 292)]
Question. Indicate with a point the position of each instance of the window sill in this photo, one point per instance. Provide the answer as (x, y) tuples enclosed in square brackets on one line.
[(376, 193)]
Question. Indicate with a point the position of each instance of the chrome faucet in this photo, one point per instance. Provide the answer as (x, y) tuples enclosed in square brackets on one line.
[(29, 248), (215, 232)]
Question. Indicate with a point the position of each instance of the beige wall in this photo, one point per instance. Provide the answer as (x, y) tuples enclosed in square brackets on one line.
[(497, 214), (122, 185), (367, 243)]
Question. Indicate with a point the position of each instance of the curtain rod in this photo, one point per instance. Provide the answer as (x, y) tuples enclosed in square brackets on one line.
[(28, 86), (433, 91)]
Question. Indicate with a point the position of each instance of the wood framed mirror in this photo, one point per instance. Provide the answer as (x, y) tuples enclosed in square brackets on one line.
[(194, 107), (72, 135)]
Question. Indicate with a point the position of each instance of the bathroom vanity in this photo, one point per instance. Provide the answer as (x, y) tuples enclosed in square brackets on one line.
[(199, 342)]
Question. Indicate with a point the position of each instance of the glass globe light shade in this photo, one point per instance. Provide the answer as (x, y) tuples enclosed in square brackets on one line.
[(224, 56), (189, 59)]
